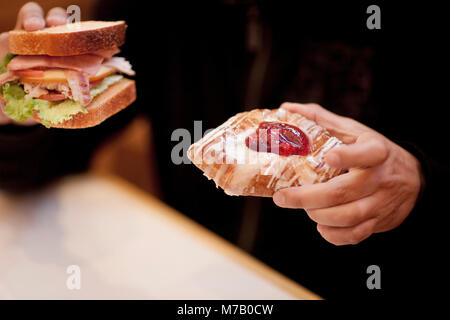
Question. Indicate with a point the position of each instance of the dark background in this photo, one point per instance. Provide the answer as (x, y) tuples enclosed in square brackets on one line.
[(197, 65), (196, 60)]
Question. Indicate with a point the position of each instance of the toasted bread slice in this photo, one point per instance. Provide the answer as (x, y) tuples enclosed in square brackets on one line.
[(112, 100), (68, 40)]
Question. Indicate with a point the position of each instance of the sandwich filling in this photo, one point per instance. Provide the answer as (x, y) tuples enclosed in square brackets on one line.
[(57, 88)]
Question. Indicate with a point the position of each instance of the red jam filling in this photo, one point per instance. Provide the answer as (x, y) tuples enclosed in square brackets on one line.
[(280, 138)]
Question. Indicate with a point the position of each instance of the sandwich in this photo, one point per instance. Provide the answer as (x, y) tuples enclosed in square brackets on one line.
[(66, 76)]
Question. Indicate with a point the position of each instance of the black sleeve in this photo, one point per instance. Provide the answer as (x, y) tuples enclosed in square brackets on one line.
[(430, 202), (32, 156)]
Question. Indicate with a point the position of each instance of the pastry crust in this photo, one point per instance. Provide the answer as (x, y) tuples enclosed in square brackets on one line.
[(224, 157)]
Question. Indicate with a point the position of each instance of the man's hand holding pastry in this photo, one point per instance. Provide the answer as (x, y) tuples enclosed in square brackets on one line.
[(376, 194)]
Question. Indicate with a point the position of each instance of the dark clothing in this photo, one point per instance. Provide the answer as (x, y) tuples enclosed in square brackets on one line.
[(209, 60)]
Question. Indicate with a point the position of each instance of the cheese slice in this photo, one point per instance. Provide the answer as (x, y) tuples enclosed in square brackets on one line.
[(58, 75)]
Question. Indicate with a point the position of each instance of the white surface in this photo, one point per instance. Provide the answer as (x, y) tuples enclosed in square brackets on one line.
[(125, 249)]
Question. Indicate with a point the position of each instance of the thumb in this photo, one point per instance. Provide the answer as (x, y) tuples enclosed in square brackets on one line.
[(369, 150)]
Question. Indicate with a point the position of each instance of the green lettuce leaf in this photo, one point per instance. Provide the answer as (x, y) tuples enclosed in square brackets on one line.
[(107, 81), (20, 108), (17, 107), (57, 112), (6, 59)]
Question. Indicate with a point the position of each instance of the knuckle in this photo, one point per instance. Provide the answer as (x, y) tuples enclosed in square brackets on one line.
[(378, 142), (380, 148), (387, 182), (355, 214), (357, 235)]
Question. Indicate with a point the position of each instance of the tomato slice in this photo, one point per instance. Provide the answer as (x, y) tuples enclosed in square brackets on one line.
[(95, 83), (30, 73)]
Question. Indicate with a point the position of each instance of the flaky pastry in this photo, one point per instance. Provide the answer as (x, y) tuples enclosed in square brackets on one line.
[(258, 152)]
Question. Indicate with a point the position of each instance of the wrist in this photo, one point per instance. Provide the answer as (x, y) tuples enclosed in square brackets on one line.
[(421, 164)]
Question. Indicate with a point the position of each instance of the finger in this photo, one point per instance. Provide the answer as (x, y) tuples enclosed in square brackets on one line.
[(348, 214), (30, 17), (368, 151), (56, 17), (351, 235), (344, 128), (26, 123), (4, 119), (4, 45), (345, 188)]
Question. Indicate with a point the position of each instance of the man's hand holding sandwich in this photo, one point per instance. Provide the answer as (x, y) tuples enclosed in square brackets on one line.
[(63, 75), (30, 18)]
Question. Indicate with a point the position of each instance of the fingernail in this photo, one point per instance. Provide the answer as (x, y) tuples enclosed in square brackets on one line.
[(34, 23), (279, 199)]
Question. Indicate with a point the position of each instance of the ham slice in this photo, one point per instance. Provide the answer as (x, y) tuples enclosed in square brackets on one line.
[(106, 53), (7, 76), (53, 97), (79, 85), (88, 63), (120, 64)]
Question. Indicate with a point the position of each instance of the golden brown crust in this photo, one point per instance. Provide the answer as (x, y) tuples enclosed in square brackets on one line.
[(114, 99), (89, 37), (241, 171)]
